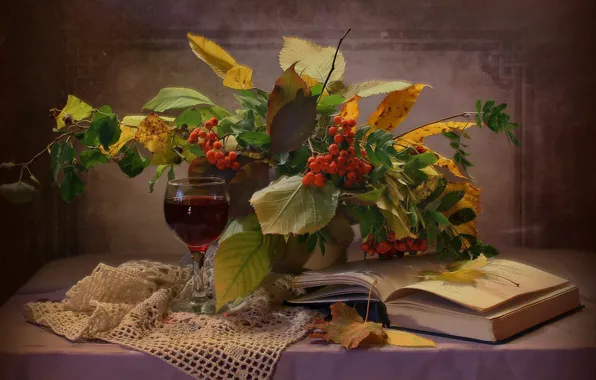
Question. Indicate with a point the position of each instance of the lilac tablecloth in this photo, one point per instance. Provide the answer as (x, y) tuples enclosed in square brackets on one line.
[(565, 349)]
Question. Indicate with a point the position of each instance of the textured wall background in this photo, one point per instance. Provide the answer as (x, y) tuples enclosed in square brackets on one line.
[(532, 54)]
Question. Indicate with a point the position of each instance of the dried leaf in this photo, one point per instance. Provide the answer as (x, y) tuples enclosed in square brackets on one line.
[(470, 200), (128, 133), (312, 60), (18, 192), (293, 124), (407, 339), (395, 108), (153, 133), (75, 109), (463, 272), (285, 90), (373, 87), (350, 110), (221, 62), (348, 329), (418, 135)]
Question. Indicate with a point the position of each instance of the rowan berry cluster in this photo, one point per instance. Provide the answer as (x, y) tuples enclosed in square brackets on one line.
[(392, 247), (340, 160), (211, 144)]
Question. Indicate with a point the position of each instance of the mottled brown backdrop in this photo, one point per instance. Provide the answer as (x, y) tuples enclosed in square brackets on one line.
[(533, 54)]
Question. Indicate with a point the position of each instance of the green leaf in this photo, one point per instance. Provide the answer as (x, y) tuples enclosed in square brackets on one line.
[(311, 242), (104, 129), (421, 161), (74, 110), (371, 220), (133, 163), (196, 150), (437, 217), (293, 124), (361, 132), (371, 196), (61, 155), (242, 261), (462, 216), (248, 121), (92, 157), (328, 104), (478, 106), (449, 200), (190, 117), (431, 232), (18, 192), (248, 223), (254, 138), (71, 185), (172, 173), (158, 173), (451, 135), (176, 98), (432, 205), (384, 158), (396, 216), (288, 207), (488, 105)]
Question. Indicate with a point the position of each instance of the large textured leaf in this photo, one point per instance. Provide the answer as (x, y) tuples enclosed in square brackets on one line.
[(350, 109), (285, 90), (248, 223), (242, 261), (153, 133), (395, 108), (18, 192), (221, 62), (293, 124), (250, 178), (470, 200), (288, 207), (397, 217), (373, 87), (312, 59), (176, 98), (71, 185), (418, 135), (76, 109)]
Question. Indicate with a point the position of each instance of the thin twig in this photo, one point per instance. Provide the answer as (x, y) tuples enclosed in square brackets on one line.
[(312, 150), (46, 148), (463, 114), (333, 64)]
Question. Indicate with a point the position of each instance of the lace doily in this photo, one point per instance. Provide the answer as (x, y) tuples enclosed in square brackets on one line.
[(129, 305)]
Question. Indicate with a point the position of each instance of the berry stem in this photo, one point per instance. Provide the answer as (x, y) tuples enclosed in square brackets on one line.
[(312, 150)]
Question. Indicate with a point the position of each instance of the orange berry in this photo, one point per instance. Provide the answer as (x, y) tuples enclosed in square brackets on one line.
[(338, 139), (219, 155), (351, 134), (320, 160), (191, 139), (214, 121), (332, 130), (236, 165), (196, 130), (352, 123), (307, 180), (332, 168), (337, 120), (351, 151), (343, 153), (363, 152), (211, 136), (220, 164), (310, 159), (217, 145), (364, 247), (334, 149), (202, 134), (228, 162), (351, 176), (210, 154), (212, 161), (341, 172), (208, 124), (420, 149), (345, 123), (341, 160), (233, 155), (345, 131), (370, 251), (319, 183), (314, 167), (328, 158), (202, 145), (367, 168)]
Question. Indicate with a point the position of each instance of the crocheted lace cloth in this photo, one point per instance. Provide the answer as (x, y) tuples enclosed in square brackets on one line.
[(129, 305)]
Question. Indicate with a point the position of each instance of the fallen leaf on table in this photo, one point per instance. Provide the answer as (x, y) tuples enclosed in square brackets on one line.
[(406, 339), (348, 329)]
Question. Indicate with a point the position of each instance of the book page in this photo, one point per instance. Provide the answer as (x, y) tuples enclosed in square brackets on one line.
[(497, 288)]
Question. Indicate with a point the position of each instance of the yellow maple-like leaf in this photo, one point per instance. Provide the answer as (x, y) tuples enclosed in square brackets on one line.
[(471, 200), (350, 109), (153, 133), (418, 135), (128, 133), (235, 75), (395, 108), (462, 272), (348, 329), (75, 109), (407, 339)]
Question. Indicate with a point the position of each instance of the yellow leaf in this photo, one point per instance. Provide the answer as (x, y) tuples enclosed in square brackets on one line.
[(154, 133), (312, 59), (417, 135), (373, 87), (128, 133), (395, 108), (471, 200), (406, 339), (396, 216), (76, 109), (350, 109), (464, 272), (221, 62), (310, 81)]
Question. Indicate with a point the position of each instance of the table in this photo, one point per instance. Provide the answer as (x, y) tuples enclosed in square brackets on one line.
[(565, 349)]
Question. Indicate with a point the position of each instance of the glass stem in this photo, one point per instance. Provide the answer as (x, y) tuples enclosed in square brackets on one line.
[(200, 288)]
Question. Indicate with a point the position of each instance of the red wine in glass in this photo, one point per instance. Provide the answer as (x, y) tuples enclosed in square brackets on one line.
[(196, 209), (197, 220)]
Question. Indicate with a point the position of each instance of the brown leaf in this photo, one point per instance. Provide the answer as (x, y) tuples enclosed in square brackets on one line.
[(350, 109), (395, 108), (294, 123), (348, 328), (285, 90), (251, 178)]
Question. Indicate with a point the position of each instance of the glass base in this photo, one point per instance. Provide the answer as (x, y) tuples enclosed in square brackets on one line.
[(198, 306), (202, 300)]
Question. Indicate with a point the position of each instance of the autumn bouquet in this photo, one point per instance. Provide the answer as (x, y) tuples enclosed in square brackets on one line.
[(299, 162)]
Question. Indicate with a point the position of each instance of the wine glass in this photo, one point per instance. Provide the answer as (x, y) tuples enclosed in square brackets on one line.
[(196, 209)]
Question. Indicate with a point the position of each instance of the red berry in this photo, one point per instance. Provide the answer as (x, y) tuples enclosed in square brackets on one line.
[(217, 145), (367, 168), (214, 121), (202, 134), (332, 130), (310, 159), (192, 139), (423, 246), (320, 183), (210, 155), (228, 162), (351, 176), (348, 183), (334, 149), (352, 123), (363, 152), (391, 237), (351, 134), (364, 247), (328, 158), (345, 123), (402, 247), (343, 153), (220, 164), (314, 167), (320, 160), (219, 155), (338, 139), (341, 172), (319, 177), (233, 155), (202, 144), (308, 179), (211, 136), (351, 151), (420, 149), (337, 120), (410, 242), (236, 165), (208, 124)]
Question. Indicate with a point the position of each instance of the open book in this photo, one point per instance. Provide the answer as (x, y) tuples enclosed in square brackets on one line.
[(512, 297)]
